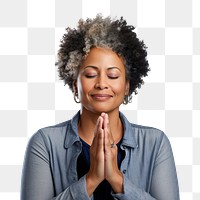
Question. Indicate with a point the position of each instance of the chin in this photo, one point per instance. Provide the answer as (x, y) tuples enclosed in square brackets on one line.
[(99, 108), (104, 109)]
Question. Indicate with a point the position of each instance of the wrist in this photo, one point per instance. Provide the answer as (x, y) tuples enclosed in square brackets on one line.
[(91, 184), (117, 183)]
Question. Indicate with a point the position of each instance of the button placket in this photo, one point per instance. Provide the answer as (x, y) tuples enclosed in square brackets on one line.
[(73, 172), (125, 161)]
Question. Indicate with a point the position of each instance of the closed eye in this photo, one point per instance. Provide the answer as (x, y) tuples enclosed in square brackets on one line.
[(90, 75), (113, 76)]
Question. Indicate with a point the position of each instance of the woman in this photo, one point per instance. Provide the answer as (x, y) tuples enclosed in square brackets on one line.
[(99, 154)]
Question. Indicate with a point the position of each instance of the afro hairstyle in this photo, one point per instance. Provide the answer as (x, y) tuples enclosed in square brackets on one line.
[(110, 33)]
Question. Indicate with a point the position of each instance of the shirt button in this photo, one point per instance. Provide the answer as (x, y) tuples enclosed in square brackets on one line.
[(124, 171)]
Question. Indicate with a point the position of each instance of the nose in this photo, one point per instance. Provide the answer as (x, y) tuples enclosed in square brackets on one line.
[(101, 83)]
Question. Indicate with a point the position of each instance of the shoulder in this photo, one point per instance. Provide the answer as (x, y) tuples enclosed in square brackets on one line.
[(58, 130), (140, 134), (150, 134), (58, 136), (147, 131), (49, 135), (152, 139), (147, 137), (140, 130)]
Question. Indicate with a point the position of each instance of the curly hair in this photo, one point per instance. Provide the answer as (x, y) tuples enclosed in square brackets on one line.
[(106, 33)]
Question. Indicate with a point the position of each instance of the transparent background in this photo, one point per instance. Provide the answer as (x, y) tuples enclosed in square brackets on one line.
[(31, 95)]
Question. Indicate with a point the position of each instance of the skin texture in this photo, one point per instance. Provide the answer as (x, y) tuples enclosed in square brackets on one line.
[(101, 86)]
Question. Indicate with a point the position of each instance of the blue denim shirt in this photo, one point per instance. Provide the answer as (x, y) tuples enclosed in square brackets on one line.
[(49, 170)]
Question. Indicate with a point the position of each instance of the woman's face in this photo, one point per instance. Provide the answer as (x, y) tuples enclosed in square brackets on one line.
[(101, 81)]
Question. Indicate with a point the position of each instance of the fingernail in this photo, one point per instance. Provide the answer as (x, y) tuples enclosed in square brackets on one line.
[(103, 114)]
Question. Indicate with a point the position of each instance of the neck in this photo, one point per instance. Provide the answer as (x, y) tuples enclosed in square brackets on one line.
[(87, 124)]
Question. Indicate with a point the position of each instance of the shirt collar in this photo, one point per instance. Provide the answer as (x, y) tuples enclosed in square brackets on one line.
[(72, 131), (129, 138)]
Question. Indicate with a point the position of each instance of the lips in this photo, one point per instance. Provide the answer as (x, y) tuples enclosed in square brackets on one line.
[(101, 97)]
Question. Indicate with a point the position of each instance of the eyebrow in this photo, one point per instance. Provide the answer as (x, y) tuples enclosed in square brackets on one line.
[(96, 68)]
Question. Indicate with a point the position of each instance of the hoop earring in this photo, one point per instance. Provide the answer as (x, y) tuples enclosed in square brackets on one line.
[(127, 99), (76, 99)]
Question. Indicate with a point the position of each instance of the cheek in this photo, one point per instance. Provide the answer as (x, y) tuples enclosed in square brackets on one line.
[(83, 86), (119, 87)]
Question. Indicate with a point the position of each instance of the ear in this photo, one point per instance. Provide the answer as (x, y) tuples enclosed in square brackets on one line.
[(127, 88)]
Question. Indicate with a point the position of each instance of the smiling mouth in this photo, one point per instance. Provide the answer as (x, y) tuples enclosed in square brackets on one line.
[(101, 97)]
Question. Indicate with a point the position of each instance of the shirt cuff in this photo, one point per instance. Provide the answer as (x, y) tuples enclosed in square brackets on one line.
[(78, 190), (129, 191)]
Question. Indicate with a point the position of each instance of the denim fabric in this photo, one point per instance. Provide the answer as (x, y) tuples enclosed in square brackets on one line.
[(49, 170)]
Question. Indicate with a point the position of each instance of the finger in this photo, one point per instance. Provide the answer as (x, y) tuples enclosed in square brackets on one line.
[(106, 121), (108, 132), (100, 142), (103, 116), (98, 134), (96, 171), (97, 130), (98, 126)]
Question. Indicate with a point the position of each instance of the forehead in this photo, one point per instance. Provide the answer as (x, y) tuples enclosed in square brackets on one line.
[(103, 57)]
